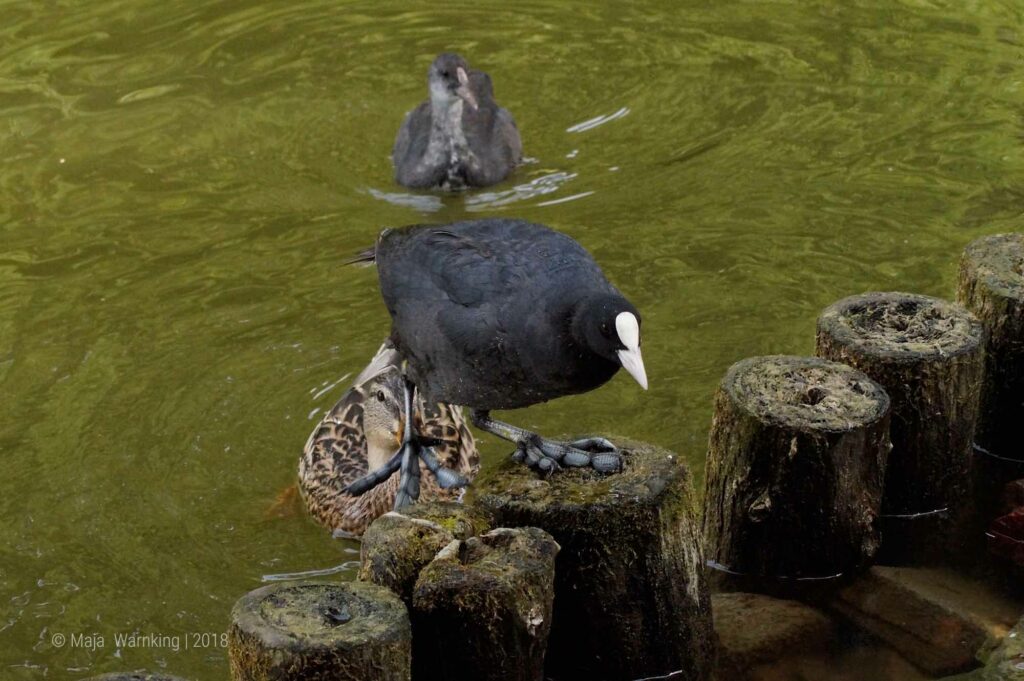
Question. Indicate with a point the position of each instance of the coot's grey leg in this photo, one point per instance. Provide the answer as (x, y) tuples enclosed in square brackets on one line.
[(407, 460), (373, 478), (547, 455), (594, 444), (409, 480)]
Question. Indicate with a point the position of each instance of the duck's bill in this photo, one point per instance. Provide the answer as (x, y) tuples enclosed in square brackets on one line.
[(463, 90), (633, 362)]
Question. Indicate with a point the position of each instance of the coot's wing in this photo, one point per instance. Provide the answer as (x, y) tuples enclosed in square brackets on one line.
[(470, 263), (491, 133), (412, 138), (426, 269), (508, 132)]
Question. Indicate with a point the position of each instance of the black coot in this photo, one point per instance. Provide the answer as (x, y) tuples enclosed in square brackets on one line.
[(501, 314), (459, 137)]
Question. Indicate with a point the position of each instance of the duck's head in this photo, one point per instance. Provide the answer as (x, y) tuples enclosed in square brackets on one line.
[(382, 416), (609, 326), (449, 81)]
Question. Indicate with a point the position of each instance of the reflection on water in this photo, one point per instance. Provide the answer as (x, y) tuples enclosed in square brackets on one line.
[(183, 181), (349, 567), (591, 123), (487, 199), (426, 203), (539, 186)]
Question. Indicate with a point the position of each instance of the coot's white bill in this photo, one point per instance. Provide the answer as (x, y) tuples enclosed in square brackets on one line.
[(632, 361)]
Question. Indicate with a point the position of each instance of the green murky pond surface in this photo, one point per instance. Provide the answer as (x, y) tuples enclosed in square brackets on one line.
[(181, 181)]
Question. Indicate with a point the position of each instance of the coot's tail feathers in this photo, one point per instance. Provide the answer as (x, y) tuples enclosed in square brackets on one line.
[(365, 257)]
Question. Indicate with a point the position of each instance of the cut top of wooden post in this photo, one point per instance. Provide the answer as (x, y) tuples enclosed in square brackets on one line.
[(324, 615), (901, 327), (805, 393)]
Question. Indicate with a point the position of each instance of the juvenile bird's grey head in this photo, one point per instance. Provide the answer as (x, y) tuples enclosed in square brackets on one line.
[(449, 81)]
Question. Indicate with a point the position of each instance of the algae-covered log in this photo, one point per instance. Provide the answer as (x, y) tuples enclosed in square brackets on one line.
[(992, 287), (316, 631), (631, 599), (134, 676), (796, 463), (928, 354), (399, 544), (482, 608)]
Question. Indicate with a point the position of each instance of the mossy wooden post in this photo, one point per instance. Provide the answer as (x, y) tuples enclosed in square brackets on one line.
[(310, 631), (399, 544), (992, 287), (795, 469), (928, 354), (482, 608), (631, 598)]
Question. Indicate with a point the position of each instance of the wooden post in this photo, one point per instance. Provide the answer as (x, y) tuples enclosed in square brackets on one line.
[(631, 598), (482, 608), (399, 544), (795, 469), (992, 287), (314, 630), (928, 354)]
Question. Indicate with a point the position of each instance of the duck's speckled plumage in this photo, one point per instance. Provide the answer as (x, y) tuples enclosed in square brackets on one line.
[(337, 454)]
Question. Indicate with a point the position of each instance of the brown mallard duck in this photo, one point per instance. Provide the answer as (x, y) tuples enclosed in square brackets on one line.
[(360, 434)]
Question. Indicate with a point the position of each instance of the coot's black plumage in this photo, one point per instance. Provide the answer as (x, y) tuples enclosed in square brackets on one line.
[(459, 137), (501, 314)]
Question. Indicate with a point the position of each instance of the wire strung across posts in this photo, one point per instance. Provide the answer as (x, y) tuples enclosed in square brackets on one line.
[(978, 449), (912, 516), (677, 674), (715, 565)]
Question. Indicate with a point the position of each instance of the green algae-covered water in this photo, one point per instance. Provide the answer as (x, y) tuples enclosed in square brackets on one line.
[(181, 182)]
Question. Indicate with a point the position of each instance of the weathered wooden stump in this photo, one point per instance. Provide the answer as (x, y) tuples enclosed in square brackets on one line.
[(482, 608), (992, 287), (315, 631), (795, 470), (928, 354), (631, 598), (134, 676), (399, 544)]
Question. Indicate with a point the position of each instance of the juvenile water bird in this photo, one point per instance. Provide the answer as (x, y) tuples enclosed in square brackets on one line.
[(361, 433), (502, 314), (459, 137)]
